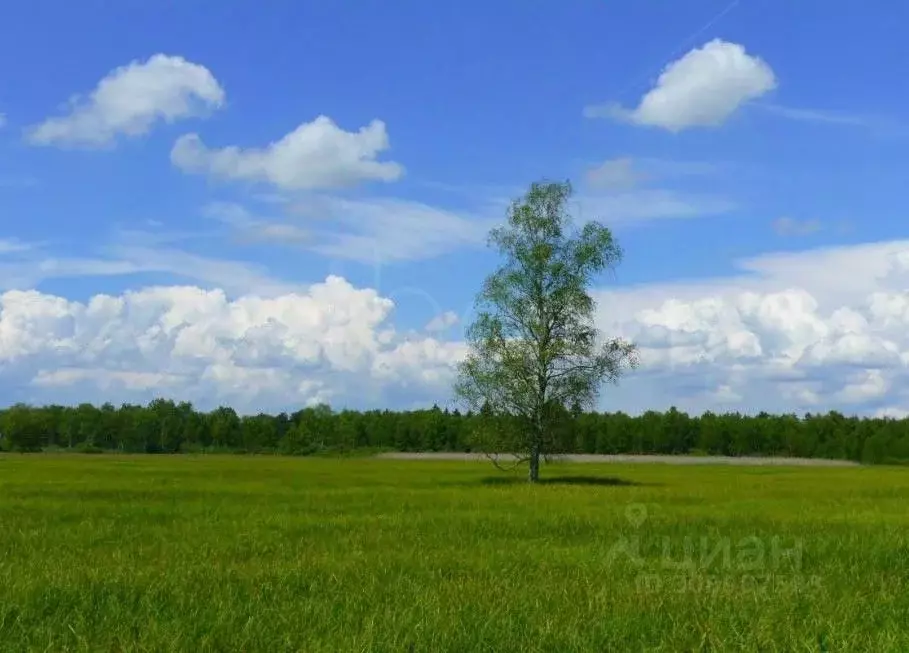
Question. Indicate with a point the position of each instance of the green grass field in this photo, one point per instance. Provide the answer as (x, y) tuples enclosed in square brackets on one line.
[(106, 553)]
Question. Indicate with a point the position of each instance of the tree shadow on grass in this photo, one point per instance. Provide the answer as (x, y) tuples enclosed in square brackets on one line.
[(563, 480)]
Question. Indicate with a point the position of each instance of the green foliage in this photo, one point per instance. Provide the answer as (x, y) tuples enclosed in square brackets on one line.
[(319, 430), (23, 429), (300, 441), (535, 353), (226, 553)]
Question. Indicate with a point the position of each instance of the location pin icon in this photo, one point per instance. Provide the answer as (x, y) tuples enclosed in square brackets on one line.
[(636, 514)]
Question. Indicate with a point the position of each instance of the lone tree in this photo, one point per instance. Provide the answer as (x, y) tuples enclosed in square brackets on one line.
[(536, 357)]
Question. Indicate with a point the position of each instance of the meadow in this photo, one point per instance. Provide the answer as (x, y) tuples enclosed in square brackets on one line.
[(243, 553)]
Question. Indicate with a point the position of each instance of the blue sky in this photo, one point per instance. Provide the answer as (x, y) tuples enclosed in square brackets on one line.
[(748, 156)]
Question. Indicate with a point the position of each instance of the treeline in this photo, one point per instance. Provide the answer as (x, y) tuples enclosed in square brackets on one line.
[(164, 426)]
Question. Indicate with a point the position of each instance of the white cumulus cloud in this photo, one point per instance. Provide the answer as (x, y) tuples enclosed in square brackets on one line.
[(332, 342), (315, 155), (130, 100), (701, 89), (815, 330)]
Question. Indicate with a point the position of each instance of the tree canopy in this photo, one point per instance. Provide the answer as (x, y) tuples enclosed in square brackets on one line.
[(535, 352), (166, 427)]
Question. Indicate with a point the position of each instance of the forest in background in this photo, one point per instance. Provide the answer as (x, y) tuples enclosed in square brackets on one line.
[(164, 426)]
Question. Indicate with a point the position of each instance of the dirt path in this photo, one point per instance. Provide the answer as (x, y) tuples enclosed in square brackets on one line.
[(665, 460)]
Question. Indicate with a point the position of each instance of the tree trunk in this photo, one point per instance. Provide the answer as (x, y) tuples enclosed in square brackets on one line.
[(534, 474)]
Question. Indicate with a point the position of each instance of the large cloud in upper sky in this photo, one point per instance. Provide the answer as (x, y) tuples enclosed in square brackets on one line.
[(315, 155), (701, 89), (815, 330), (130, 99)]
